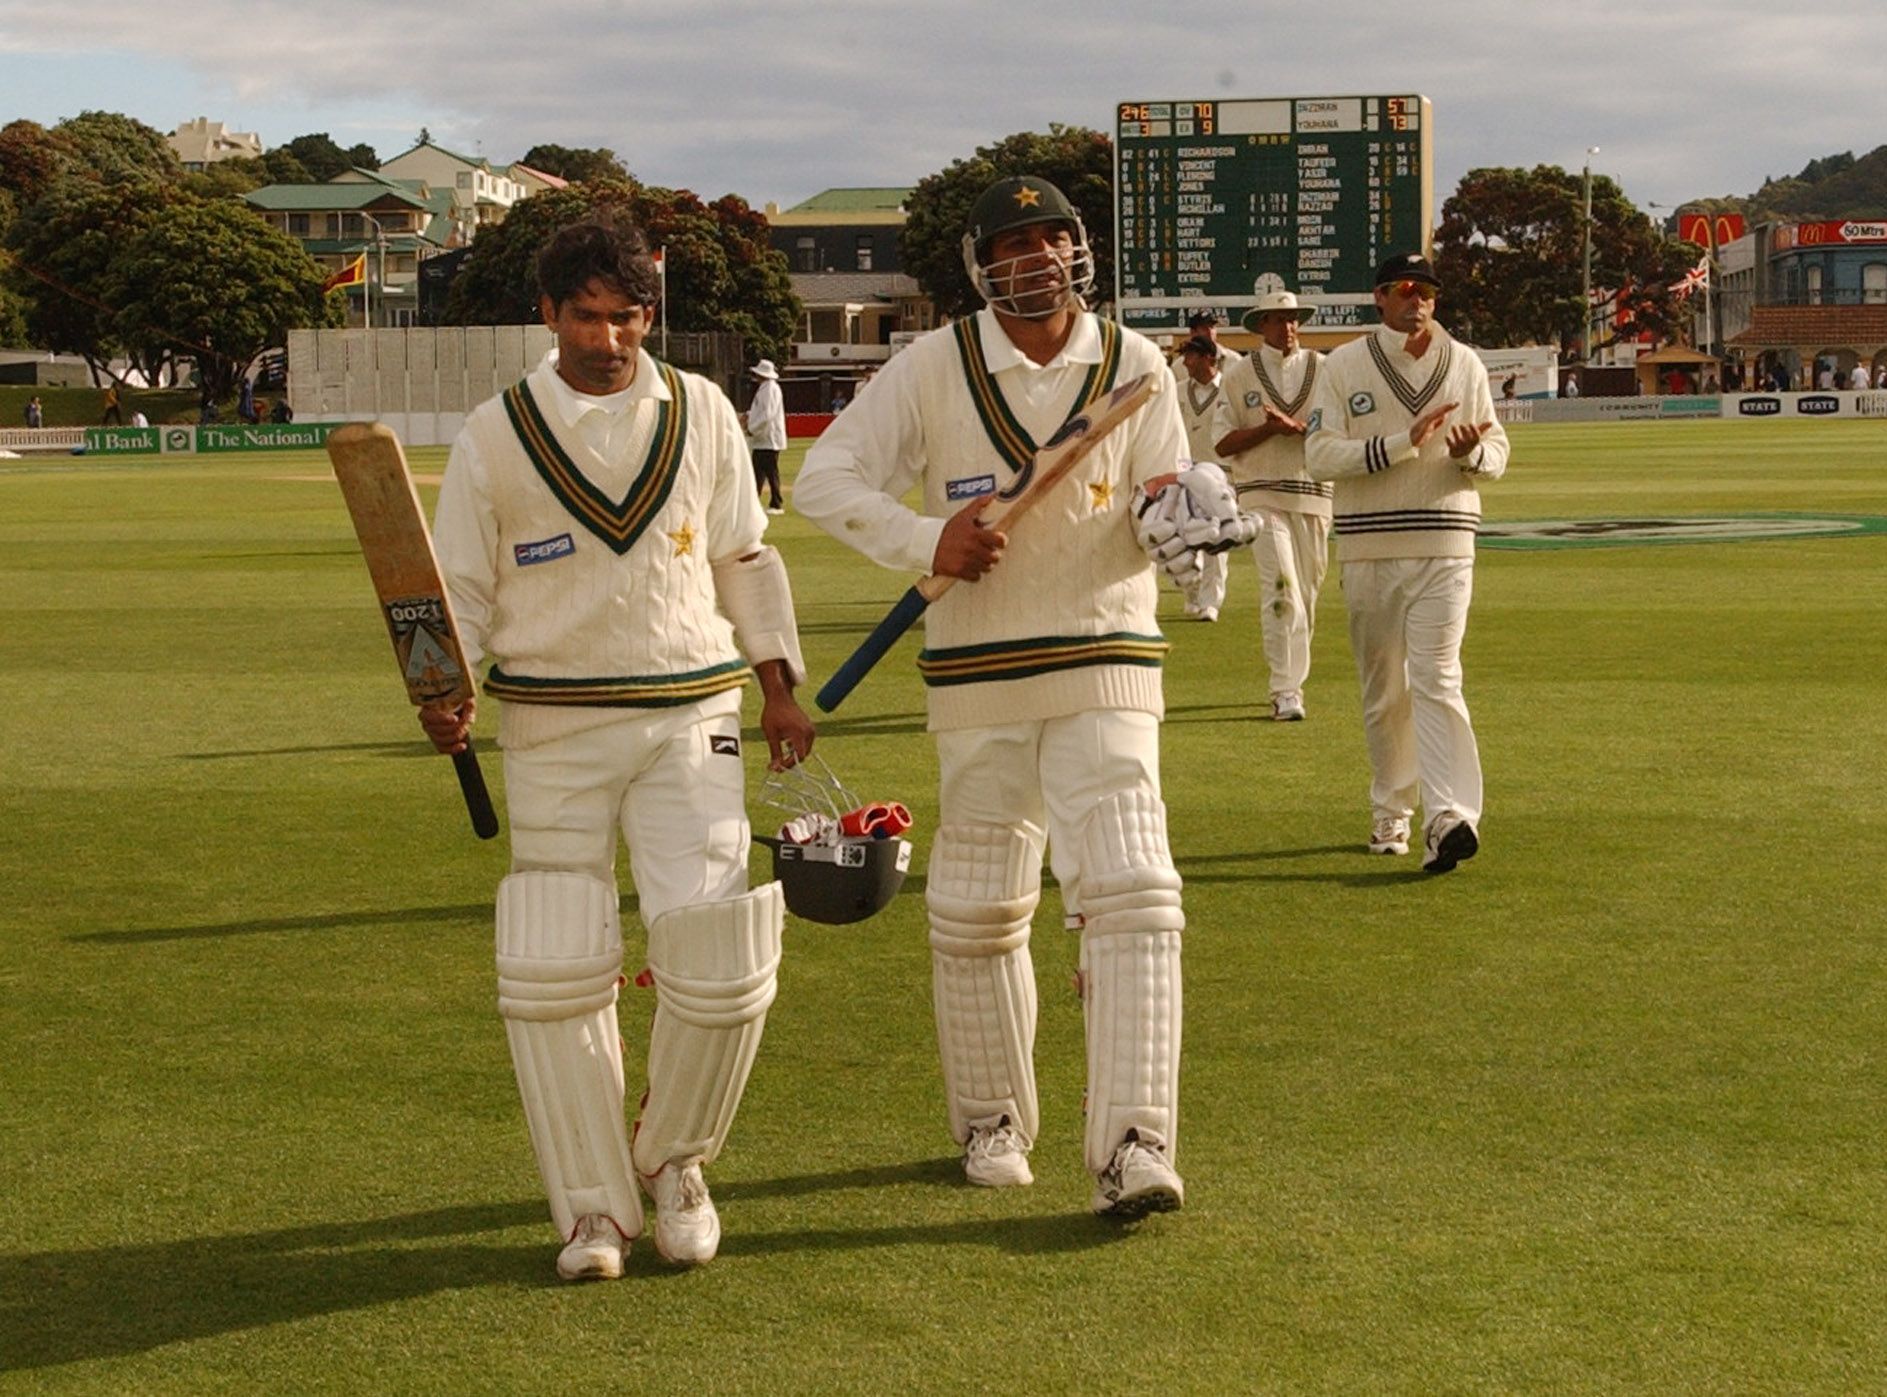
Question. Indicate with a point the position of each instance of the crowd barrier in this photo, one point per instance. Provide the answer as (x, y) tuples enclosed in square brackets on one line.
[(1738, 407)]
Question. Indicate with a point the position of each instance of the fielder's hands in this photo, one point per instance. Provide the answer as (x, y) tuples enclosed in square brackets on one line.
[(1282, 423), (1462, 441), (449, 728), (968, 548), (789, 732), (1429, 423)]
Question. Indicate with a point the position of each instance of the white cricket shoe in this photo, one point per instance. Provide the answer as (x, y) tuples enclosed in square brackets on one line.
[(1287, 707), (1389, 836), (1138, 1180), (594, 1251), (996, 1157), (1451, 840), (687, 1229)]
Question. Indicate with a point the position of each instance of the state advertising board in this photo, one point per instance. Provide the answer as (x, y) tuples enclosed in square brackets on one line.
[(1212, 195)]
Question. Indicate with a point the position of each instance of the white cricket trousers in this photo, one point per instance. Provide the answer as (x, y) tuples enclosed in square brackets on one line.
[(670, 778), (1292, 552), (1407, 618), (1051, 773)]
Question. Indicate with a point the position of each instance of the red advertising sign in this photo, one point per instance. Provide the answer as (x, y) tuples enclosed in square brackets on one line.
[(1710, 230), (1851, 230)]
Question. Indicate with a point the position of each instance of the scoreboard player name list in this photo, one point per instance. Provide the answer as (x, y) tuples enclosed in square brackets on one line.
[(1316, 190)]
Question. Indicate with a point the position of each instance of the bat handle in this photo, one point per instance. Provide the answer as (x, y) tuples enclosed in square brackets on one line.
[(846, 678), (477, 798)]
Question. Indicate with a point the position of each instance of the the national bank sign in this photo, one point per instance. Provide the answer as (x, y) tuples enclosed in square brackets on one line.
[(1789, 235)]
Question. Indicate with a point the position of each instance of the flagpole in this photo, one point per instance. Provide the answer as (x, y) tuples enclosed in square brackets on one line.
[(661, 266)]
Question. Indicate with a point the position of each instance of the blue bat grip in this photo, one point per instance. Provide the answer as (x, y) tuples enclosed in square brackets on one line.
[(845, 679)]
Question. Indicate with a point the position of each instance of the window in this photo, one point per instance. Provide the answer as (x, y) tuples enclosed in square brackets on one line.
[(298, 224), (1874, 283), (864, 252), (464, 180), (1813, 276), (805, 254)]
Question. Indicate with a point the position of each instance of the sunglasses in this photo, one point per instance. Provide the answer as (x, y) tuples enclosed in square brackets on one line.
[(1413, 288)]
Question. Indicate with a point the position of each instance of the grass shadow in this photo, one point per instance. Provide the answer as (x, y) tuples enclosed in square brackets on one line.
[(478, 913), (417, 748)]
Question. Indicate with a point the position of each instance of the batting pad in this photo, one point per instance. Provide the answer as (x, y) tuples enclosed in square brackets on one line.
[(1130, 975), (559, 962), (716, 968), (981, 889)]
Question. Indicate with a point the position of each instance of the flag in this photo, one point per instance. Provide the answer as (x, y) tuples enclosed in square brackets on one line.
[(656, 256), (1697, 277), (353, 274)]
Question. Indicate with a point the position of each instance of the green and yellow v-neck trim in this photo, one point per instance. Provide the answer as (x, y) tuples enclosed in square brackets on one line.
[(1011, 440), (617, 525)]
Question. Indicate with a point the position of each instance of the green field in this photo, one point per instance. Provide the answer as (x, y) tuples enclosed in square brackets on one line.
[(1599, 1112)]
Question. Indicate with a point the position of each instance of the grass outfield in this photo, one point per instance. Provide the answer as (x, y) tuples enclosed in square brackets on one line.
[(1601, 1111)]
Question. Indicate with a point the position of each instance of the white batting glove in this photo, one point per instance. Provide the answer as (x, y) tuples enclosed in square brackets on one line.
[(1212, 520)]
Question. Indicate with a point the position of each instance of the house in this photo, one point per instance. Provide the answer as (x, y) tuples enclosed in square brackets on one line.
[(842, 249), (397, 224), (202, 142), (535, 181), (1796, 294), (481, 195)]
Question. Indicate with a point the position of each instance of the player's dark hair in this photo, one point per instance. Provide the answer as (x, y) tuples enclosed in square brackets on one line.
[(605, 247)]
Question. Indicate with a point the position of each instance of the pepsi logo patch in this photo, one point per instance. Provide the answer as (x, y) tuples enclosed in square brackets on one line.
[(724, 744), (548, 551), (975, 487)]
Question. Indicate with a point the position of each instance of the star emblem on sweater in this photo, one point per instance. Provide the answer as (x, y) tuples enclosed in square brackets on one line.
[(684, 538), (1102, 493)]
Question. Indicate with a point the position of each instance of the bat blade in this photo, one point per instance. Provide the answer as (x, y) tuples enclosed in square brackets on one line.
[(1065, 450), (394, 540)]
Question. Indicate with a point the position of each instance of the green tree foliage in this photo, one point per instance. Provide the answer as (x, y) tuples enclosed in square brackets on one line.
[(117, 148), (281, 167), (1509, 255), (587, 165), (213, 281), (322, 159), (227, 179), (64, 247), (1077, 160), (721, 272), (31, 158)]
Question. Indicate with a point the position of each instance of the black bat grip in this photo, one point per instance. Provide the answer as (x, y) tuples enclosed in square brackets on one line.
[(477, 798)]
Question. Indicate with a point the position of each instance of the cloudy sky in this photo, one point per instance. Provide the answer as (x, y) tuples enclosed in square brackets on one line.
[(778, 99)]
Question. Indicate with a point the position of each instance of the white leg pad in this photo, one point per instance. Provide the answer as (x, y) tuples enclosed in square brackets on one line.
[(559, 963), (981, 888), (1130, 975), (716, 969)]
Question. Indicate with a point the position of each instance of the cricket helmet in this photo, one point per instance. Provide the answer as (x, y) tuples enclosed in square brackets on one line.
[(838, 859), (1017, 202)]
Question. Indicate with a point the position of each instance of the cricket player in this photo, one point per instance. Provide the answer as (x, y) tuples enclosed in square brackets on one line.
[(600, 535), (1402, 422), (1200, 396), (1044, 689), (1261, 443)]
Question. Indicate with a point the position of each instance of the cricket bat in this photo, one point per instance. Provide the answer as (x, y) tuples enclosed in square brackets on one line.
[(394, 539), (1078, 436)]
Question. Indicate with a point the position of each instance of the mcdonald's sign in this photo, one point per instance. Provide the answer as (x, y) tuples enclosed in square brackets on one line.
[(1710, 230)]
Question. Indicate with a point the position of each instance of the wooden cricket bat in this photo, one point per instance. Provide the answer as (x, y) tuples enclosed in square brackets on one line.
[(1078, 436), (394, 539)]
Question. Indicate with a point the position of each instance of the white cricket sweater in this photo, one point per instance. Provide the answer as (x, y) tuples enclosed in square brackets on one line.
[(1065, 621), (1199, 414), (1393, 501), (1271, 475), (586, 577)]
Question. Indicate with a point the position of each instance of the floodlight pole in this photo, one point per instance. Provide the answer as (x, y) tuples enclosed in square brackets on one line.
[(1585, 283)]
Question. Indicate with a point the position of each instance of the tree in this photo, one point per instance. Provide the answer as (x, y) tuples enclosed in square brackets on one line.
[(31, 158), (1510, 247), (321, 159), (1076, 160), (64, 245), (721, 272), (588, 166), (116, 148), (281, 167), (214, 281)]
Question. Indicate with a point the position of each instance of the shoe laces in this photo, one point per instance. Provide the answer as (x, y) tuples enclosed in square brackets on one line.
[(994, 1140), (691, 1190)]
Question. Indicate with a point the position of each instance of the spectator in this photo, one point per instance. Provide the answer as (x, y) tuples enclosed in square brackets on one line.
[(246, 403), (138, 419), (1859, 380), (35, 414), (281, 412), (112, 413)]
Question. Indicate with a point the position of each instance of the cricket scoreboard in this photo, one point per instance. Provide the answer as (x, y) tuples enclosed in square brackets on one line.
[(1211, 196)]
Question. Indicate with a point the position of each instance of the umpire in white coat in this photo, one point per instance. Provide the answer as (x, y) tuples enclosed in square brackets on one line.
[(1402, 422)]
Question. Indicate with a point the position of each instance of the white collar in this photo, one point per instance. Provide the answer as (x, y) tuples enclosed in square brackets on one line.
[(572, 407), (999, 351), (1393, 341)]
